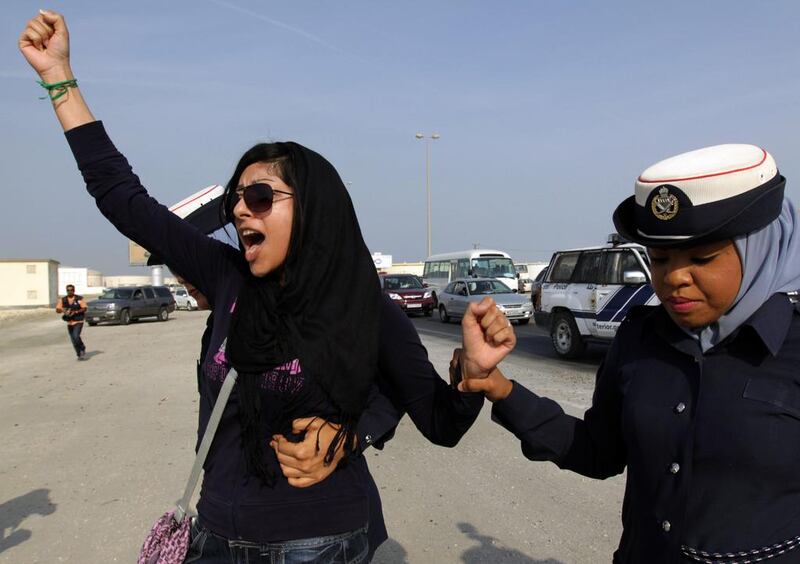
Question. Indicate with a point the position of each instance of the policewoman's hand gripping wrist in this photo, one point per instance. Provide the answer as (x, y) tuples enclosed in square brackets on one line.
[(488, 337)]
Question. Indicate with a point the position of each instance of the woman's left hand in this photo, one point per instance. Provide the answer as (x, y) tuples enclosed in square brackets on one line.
[(488, 338), (303, 463)]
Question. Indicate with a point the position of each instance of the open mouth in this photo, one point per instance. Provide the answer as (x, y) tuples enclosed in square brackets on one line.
[(252, 240)]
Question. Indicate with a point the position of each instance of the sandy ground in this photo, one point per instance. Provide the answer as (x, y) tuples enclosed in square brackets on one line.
[(93, 452), (10, 315)]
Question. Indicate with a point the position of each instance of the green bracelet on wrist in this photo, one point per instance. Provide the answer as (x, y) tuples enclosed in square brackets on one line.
[(60, 88)]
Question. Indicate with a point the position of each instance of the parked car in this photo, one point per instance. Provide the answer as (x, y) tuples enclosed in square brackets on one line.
[(524, 283), (122, 305), (587, 293), (455, 298), (183, 300), (408, 291), (536, 290)]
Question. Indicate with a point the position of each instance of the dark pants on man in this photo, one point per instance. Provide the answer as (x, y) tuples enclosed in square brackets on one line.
[(75, 336)]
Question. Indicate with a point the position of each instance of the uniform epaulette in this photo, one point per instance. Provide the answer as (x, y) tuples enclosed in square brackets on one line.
[(794, 299)]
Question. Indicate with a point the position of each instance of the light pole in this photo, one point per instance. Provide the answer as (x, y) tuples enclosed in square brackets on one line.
[(428, 139)]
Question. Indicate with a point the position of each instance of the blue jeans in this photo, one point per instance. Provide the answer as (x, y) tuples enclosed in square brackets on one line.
[(209, 548), (75, 337)]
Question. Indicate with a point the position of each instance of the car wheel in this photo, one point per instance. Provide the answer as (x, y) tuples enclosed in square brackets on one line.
[(443, 317), (92, 323), (566, 338), (428, 312), (163, 314), (523, 321), (124, 317)]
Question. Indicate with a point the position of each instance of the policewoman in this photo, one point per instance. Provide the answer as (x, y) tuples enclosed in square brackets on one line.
[(698, 398)]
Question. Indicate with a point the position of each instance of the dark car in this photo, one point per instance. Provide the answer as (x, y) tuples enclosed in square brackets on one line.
[(536, 289), (408, 291), (122, 305)]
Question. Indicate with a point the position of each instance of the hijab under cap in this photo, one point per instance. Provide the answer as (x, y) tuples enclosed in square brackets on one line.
[(770, 264), (322, 308)]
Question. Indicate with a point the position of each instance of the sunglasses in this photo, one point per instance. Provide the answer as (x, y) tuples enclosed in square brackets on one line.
[(258, 197)]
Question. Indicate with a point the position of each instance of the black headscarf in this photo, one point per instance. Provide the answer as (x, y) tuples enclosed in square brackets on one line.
[(322, 307)]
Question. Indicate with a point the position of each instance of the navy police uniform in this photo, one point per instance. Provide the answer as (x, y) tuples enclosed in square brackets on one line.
[(709, 432), (711, 442)]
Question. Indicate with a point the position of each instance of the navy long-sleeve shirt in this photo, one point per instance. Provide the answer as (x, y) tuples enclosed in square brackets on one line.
[(711, 442), (233, 503)]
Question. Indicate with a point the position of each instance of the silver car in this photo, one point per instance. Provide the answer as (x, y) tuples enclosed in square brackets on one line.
[(183, 300), (455, 298)]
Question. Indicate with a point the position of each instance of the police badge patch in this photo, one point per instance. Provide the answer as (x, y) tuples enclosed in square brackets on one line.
[(664, 205)]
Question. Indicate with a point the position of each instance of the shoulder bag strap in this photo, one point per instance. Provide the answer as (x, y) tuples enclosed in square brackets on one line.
[(205, 445)]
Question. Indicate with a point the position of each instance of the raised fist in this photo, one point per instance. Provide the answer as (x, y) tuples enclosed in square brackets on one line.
[(45, 45)]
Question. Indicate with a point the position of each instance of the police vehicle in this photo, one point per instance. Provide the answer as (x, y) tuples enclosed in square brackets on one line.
[(588, 292)]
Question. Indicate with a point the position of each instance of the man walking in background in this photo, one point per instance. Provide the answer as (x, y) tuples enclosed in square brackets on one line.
[(73, 309)]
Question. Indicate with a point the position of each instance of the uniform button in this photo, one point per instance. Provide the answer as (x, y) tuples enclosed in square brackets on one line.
[(680, 407), (666, 526), (368, 439), (674, 468)]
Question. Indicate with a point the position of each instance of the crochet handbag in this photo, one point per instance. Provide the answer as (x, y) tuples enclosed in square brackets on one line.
[(168, 541)]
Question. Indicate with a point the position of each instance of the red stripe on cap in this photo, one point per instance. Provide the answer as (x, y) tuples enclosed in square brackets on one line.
[(759, 163), (211, 189)]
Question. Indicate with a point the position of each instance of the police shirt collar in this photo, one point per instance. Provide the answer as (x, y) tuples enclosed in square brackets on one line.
[(771, 322)]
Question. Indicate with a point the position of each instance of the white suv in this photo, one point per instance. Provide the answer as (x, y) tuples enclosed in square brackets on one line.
[(588, 292)]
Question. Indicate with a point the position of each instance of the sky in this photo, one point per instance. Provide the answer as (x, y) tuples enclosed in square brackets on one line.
[(547, 111)]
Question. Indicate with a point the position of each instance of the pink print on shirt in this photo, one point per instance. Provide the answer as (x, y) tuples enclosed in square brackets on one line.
[(286, 378)]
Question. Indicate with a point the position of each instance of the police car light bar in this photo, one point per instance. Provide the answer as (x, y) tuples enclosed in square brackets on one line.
[(615, 239)]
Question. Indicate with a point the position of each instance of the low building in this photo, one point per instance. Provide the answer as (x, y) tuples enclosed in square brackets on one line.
[(415, 268), (28, 283), (134, 280), (87, 282), (385, 265)]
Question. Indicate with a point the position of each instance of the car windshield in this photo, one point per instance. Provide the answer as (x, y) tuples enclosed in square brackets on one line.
[(117, 294), (495, 267), (402, 283), (482, 287)]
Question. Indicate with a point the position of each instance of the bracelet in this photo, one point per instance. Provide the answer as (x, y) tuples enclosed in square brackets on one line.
[(59, 87)]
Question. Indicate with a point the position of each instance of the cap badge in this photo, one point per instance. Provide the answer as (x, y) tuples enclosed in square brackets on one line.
[(665, 205)]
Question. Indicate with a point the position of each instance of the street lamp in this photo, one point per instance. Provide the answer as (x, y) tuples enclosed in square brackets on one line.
[(428, 139)]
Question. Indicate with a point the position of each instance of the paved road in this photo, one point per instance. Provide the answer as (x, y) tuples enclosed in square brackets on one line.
[(94, 451)]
